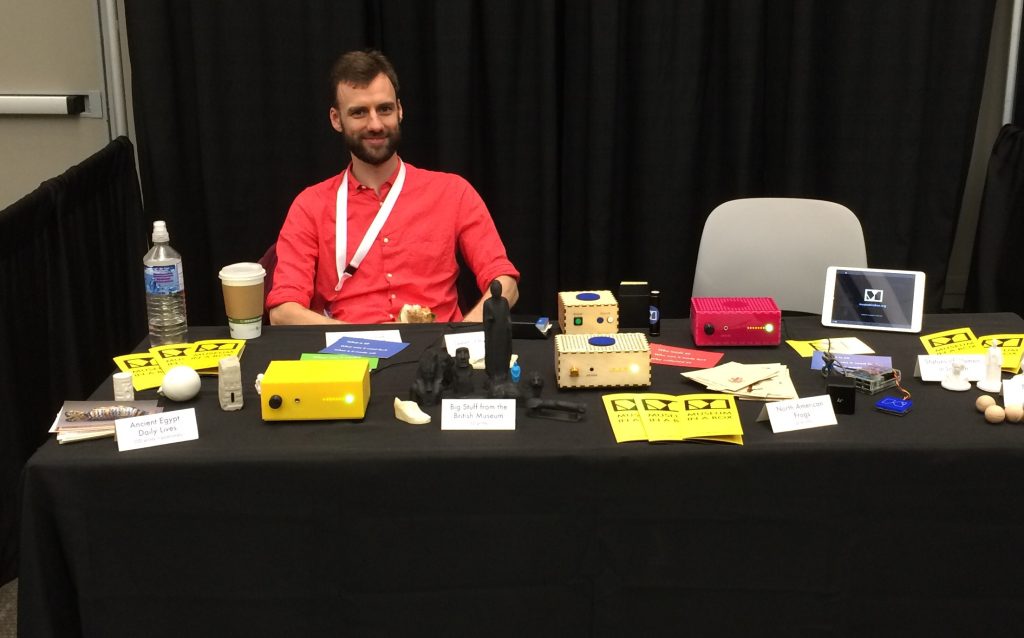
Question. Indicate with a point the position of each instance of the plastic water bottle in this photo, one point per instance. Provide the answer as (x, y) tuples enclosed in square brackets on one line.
[(165, 290)]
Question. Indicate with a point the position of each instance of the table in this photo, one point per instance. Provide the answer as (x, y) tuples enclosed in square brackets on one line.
[(879, 524)]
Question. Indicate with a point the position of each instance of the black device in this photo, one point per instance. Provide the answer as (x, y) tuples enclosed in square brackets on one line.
[(843, 396), (654, 313), (634, 301), (555, 410), (894, 405)]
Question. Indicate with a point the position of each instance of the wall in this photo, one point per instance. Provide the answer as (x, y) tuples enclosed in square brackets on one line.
[(48, 47)]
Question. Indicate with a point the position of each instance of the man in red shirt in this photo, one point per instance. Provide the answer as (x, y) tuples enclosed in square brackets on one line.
[(400, 225)]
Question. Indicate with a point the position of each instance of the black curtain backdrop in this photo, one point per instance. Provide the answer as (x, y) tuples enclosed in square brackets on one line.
[(994, 283), (600, 133), (71, 296)]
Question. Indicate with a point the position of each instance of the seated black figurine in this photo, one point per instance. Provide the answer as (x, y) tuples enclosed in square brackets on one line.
[(429, 383)]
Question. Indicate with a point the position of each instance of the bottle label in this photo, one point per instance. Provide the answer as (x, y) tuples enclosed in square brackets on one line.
[(164, 280)]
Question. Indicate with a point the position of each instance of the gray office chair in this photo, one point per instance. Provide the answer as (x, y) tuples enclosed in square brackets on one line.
[(776, 247)]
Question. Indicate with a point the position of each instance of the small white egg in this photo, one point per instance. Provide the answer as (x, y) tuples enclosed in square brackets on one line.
[(181, 383)]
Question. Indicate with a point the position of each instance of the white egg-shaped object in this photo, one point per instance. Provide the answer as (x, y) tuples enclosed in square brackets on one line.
[(181, 383)]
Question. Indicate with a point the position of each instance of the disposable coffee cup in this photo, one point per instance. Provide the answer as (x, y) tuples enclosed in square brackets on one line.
[(242, 284)]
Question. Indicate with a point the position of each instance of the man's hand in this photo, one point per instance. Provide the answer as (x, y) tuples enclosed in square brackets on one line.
[(291, 313), (509, 290)]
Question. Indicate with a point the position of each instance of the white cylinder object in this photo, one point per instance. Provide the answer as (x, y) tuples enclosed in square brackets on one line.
[(123, 389)]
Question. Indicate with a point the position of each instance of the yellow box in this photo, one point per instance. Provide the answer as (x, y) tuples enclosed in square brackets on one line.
[(588, 312), (315, 390), (602, 361)]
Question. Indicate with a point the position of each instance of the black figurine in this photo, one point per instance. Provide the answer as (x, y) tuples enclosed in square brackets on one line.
[(463, 373), (498, 344), (536, 385), (427, 387)]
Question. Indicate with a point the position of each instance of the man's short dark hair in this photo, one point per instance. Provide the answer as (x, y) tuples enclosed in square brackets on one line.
[(359, 68)]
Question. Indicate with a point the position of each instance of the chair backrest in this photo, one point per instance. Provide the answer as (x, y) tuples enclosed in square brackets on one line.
[(269, 263), (776, 247)]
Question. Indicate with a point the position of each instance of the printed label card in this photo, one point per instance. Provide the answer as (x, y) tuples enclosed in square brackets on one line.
[(936, 367), (478, 414), (799, 414), (683, 357), (365, 347), (156, 429)]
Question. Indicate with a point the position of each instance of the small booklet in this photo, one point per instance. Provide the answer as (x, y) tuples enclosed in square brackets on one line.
[(148, 368), (84, 420), (664, 417)]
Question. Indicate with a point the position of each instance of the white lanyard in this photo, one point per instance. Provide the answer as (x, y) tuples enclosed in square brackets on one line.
[(341, 226)]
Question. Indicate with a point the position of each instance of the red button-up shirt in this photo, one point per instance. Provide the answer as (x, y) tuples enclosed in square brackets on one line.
[(412, 260)]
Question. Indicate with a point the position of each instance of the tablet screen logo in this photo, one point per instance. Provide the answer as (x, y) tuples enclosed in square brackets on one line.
[(872, 295)]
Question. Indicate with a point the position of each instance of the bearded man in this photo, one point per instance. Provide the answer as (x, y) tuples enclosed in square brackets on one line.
[(383, 234)]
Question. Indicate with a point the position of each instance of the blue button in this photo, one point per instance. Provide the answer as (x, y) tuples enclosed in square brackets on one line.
[(601, 341), (588, 296)]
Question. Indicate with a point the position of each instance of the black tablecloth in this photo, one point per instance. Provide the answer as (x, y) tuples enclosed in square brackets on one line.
[(879, 524)]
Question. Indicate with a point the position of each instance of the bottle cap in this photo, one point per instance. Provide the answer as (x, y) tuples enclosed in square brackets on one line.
[(160, 232)]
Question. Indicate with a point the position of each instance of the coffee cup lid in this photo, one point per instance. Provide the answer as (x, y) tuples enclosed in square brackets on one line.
[(244, 273)]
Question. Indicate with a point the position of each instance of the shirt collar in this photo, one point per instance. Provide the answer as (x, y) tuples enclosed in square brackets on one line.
[(355, 185)]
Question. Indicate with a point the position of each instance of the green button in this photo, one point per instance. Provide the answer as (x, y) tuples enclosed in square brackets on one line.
[(577, 321)]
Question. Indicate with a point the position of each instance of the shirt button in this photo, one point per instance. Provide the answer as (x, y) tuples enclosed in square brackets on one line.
[(386, 240), (391, 316), (389, 275), (392, 295)]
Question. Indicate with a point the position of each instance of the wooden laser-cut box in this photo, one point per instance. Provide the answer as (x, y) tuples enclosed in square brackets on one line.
[(602, 361), (588, 312)]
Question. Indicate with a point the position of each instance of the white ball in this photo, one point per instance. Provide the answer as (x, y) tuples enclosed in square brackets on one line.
[(181, 383)]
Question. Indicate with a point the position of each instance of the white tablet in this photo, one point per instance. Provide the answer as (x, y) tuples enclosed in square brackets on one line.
[(873, 299)]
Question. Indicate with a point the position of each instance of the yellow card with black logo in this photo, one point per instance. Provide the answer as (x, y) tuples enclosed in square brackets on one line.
[(955, 341), (1012, 346), (171, 355), (144, 368), (666, 417), (624, 415), (204, 355)]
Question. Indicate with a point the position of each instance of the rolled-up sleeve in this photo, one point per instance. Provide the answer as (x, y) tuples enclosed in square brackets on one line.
[(297, 250), (479, 242)]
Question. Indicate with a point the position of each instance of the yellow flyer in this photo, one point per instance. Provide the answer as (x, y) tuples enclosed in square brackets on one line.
[(144, 368), (170, 355), (204, 355), (625, 417), (955, 341), (666, 417), (1012, 346)]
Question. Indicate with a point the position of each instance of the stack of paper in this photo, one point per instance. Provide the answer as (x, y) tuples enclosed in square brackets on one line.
[(664, 417), (148, 368), (84, 420), (758, 382)]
